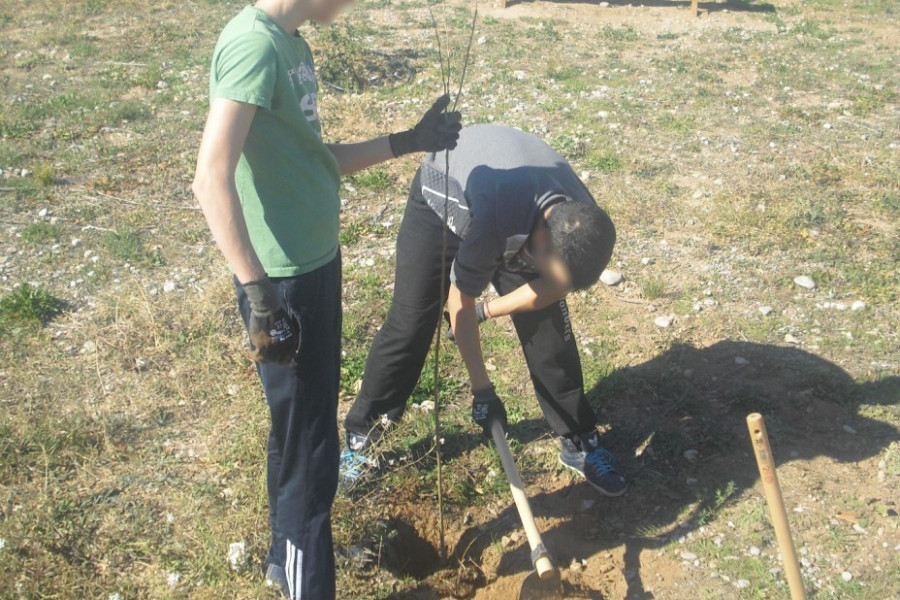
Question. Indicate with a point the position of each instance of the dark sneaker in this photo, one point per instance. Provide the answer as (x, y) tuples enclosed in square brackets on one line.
[(276, 578), (354, 461), (598, 466)]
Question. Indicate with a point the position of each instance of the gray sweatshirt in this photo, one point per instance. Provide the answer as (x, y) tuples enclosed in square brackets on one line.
[(501, 180)]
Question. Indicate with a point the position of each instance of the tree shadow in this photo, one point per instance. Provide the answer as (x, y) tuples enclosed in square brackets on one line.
[(697, 399), (729, 5)]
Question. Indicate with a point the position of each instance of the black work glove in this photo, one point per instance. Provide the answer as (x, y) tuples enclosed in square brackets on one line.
[(274, 334), (437, 131), (487, 406), (479, 312)]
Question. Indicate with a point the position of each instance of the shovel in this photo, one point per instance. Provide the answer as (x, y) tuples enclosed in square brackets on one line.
[(543, 583)]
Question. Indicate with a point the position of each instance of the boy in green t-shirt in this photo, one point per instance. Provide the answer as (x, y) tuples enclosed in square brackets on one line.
[(268, 186)]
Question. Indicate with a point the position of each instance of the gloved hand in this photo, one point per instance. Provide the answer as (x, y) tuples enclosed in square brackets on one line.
[(274, 334), (437, 131), (487, 406), (479, 312)]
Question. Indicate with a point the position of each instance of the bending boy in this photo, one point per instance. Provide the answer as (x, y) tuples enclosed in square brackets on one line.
[(518, 217)]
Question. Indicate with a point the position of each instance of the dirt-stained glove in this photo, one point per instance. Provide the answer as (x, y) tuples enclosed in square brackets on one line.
[(274, 334), (437, 131), (479, 312), (487, 406)]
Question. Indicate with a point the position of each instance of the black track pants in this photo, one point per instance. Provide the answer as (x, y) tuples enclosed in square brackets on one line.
[(401, 346), (303, 447)]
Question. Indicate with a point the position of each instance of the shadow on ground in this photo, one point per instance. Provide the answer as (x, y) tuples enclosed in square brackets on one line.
[(698, 399)]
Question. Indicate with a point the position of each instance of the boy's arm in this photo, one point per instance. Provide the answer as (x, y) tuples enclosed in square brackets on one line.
[(534, 295), (486, 405), (436, 131), (464, 323), (356, 157), (223, 140), (274, 335)]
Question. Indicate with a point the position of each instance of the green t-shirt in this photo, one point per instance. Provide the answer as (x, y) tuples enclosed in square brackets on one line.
[(287, 179)]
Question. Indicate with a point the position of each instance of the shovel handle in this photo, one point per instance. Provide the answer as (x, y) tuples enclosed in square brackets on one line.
[(542, 563)]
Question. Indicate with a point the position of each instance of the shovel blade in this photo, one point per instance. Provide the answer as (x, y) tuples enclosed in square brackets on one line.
[(535, 588)]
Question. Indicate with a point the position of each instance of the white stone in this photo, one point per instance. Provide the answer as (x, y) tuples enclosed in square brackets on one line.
[(43, 212), (765, 310), (611, 278), (76, 242), (173, 579), (691, 481), (689, 556), (740, 360), (849, 430), (847, 576), (169, 286), (520, 75), (604, 5), (114, 596), (790, 339), (742, 583), (691, 455), (858, 305), (805, 282), (237, 555), (663, 321), (754, 551), (482, 41), (88, 347)]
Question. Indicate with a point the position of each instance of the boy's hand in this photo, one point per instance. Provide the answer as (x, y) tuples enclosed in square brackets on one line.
[(274, 334), (437, 131), (487, 406), (479, 312)]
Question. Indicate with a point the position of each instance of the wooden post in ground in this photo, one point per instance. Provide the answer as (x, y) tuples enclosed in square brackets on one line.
[(693, 7), (766, 464), (502, 3)]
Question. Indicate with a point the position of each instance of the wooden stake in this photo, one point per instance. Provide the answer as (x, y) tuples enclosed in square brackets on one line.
[(766, 464)]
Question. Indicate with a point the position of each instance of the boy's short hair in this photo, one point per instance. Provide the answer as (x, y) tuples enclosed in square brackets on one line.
[(583, 235)]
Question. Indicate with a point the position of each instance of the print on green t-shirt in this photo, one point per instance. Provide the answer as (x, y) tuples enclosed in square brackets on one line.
[(287, 179)]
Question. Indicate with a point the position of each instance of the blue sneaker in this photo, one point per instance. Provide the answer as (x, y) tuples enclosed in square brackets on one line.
[(597, 465), (355, 464)]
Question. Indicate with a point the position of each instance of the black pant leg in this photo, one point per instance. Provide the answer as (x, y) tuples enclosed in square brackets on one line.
[(303, 449), (400, 347), (553, 361)]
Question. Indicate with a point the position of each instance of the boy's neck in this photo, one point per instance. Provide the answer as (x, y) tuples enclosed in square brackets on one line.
[(288, 14)]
